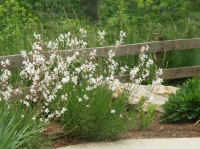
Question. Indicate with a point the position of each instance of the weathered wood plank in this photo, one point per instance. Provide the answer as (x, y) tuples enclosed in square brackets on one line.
[(172, 73), (182, 72), (15, 61), (124, 50)]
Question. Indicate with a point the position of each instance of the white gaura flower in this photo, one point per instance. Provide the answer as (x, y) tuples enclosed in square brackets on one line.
[(157, 81), (36, 47), (50, 116), (7, 62), (142, 49), (65, 80), (123, 69), (79, 99), (159, 72), (63, 110), (34, 118), (113, 111), (61, 38), (122, 34), (37, 36), (78, 70), (93, 54), (121, 40), (23, 53), (138, 81), (46, 110), (101, 37), (113, 85), (7, 94), (83, 32), (86, 97), (133, 73), (58, 86), (84, 44), (3, 64), (101, 34), (76, 53), (26, 103), (149, 63), (111, 53), (64, 97), (74, 79)]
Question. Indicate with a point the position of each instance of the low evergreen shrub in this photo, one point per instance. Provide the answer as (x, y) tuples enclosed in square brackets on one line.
[(184, 105)]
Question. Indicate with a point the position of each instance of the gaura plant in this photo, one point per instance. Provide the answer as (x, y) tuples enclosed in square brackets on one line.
[(72, 90)]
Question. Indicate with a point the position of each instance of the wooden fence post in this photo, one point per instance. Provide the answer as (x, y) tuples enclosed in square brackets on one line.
[(158, 55)]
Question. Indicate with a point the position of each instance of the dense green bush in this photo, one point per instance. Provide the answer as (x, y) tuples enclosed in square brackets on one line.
[(185, 104), (15, 24), (18, 129), (51, 9), (13, 17)]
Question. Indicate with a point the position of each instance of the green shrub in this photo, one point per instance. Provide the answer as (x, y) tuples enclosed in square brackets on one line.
[(185, 104), (15, 23), (99, 117), (18, 130), (14, 17)]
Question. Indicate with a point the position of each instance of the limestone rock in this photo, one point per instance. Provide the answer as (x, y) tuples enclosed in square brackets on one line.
[(156, 95)]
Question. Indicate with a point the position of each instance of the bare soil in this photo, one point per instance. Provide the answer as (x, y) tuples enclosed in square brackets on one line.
[(156, 130)]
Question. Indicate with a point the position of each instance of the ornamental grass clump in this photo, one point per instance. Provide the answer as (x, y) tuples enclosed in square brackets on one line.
[(19, 130), (77, 90)]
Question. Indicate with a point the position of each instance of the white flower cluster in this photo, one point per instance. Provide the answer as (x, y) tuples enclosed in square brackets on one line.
[(83, 32), (123, 70), (93, 54), (140, 72), (101, 37), (159, 74), (67, 42), (6, 88), (121, 39)]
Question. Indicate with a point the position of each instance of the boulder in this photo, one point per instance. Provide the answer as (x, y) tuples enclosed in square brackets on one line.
[(154, 94)]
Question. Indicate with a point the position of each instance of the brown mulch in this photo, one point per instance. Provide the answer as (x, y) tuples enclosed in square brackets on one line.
[(156, 130)]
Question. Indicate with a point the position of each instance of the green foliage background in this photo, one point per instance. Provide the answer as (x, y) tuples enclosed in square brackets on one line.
[(173, 19)]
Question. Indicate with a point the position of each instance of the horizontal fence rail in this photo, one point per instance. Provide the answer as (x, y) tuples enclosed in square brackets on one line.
[(130, 49), (172, 73)]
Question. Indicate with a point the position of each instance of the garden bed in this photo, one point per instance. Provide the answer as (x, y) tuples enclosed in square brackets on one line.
[(156, 130)]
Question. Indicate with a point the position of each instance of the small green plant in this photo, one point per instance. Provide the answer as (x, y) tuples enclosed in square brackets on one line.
[(145, 117), (18, 129), (185, 104)]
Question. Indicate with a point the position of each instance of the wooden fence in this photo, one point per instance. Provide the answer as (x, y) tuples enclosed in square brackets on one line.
[(132, 49)]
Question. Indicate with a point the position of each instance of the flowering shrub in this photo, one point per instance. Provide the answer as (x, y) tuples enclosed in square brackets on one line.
[(72, 90)]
